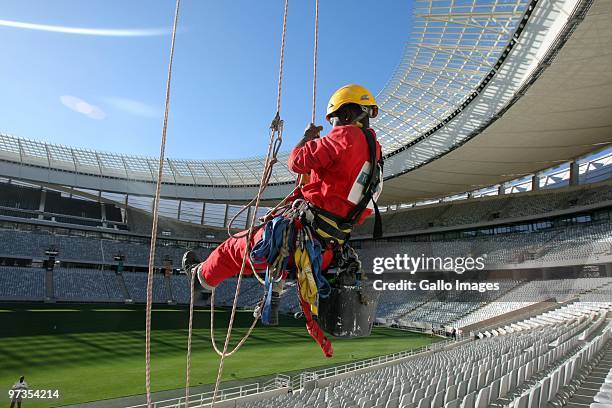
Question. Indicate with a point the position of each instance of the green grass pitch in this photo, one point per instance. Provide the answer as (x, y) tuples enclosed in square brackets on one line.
[(93, 352)]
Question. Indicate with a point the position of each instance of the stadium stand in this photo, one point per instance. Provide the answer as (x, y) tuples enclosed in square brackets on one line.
[(86, 285), (446, 307), (180, 289), (19, 201), (137, 287), (529, 293), (587, 380), (577, 243), (481, 373), (495, 208), (32, 244), (22, 283), (559, 315), (13, 196), (139, 221)]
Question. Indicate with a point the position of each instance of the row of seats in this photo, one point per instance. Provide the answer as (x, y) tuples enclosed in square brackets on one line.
[(577, 244), (471, 374), (464, 212), (77, 284), (22, 283), (460, 309), (447, 307), (562, 315), (86, 285), (560, 384), (90, 285), (31, 244), (529, 293)]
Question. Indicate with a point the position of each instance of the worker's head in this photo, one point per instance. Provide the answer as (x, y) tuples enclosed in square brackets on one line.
[(351, 104)]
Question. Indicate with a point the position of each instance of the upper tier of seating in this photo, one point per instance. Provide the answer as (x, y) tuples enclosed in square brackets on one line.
[(19, 201), (32, 245), (578, 244), (487, 209), (13, 196)]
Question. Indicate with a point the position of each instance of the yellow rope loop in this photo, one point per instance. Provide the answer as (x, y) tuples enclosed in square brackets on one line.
[(307, 284)]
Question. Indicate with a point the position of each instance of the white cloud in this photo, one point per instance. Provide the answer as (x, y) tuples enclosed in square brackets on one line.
[(134, 107), (105, 32), (80, 106)]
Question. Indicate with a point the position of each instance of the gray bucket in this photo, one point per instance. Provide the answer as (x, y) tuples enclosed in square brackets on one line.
[(349, 311)]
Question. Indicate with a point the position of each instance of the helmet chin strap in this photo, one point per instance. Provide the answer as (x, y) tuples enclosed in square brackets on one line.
[(361, 116)]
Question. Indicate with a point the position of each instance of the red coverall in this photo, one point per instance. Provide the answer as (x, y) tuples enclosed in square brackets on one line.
[(334, 163)]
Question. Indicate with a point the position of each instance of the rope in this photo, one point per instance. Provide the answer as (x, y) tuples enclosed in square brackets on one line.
[(160, 173), (189, 335), (302, 178), (314, 62), (276, 131), (212, 330), (282, 59)]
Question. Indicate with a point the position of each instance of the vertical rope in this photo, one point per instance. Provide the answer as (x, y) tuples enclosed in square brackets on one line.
[(314, 63), (189, 336), (160, 173), (275, 136), (282, 59)]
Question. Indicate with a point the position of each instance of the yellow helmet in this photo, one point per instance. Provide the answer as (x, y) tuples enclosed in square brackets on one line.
[(352, 93)]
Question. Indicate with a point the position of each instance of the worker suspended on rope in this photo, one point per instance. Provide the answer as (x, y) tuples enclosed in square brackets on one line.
[(310, 232)]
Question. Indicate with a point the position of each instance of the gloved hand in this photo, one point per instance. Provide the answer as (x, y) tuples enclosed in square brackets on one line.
[(312, 132)]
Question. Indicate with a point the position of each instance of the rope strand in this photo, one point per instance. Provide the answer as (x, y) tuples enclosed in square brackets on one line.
[(314, 63), (282, 59), (276, 131), (160, 172), (189, 336)]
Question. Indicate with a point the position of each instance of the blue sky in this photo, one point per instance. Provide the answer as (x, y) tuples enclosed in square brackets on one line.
[(225, 72)]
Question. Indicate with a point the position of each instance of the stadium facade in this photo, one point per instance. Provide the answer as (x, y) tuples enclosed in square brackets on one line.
[(496, 128)]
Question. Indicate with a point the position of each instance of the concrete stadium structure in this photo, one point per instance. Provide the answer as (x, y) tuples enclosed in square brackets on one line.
[(485, 93), (490, 97)]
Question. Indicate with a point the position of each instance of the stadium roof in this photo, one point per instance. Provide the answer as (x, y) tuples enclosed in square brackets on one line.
[(465, 66), (550, 102)]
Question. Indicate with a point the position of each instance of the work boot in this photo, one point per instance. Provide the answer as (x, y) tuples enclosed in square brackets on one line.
[(192, 264)]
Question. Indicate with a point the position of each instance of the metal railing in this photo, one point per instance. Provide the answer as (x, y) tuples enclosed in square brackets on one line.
[(205, 398), (371, 362), (295, 383), (278, 382)]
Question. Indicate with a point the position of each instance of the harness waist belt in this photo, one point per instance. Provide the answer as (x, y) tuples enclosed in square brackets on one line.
[(330, 228)]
